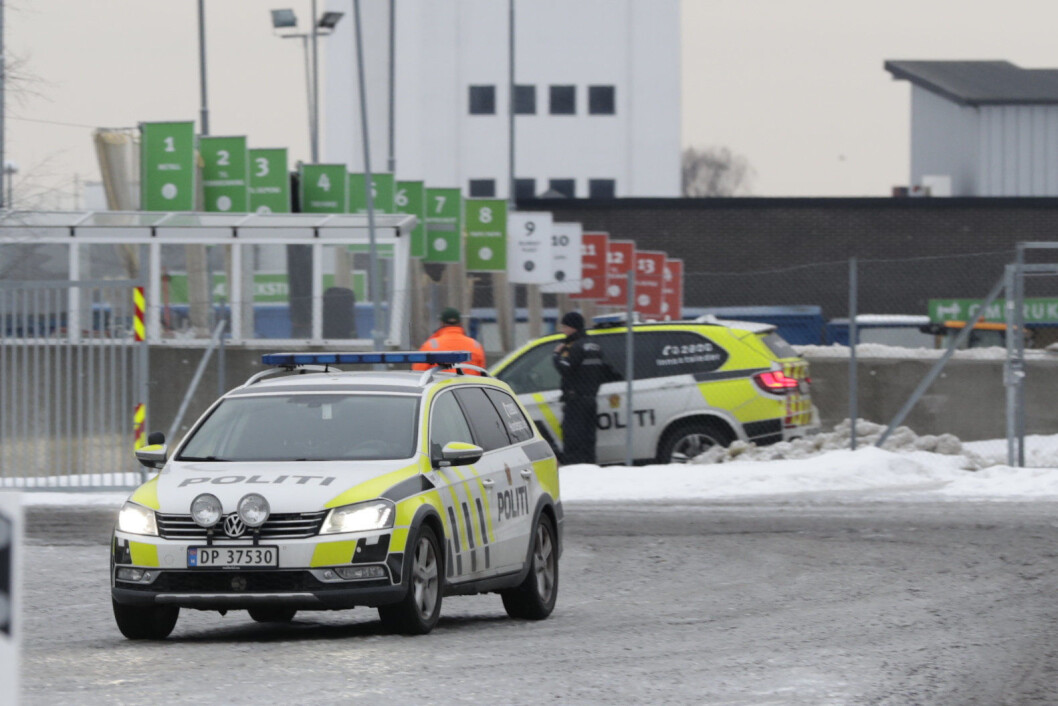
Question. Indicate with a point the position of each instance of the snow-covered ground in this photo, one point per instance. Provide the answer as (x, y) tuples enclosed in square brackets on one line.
[(908, 468)]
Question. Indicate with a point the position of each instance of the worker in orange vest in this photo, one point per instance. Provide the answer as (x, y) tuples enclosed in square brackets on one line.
[(452, 337)]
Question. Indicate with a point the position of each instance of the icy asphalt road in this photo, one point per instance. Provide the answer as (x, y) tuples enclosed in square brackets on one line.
[(793, 603)]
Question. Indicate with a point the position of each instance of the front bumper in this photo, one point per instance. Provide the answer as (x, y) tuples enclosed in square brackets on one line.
[(306, 577)]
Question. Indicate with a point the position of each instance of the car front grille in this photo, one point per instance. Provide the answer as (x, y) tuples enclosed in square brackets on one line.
[(294, 525)]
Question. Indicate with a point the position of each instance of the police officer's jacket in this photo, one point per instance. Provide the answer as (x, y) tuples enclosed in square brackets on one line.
[(581, 364)]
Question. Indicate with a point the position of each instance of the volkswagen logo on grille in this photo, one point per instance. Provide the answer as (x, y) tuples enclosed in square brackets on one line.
[(234, 526)]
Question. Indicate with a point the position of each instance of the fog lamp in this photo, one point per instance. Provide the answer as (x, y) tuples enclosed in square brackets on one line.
[(206, 510), (253, 509), (361, 572)]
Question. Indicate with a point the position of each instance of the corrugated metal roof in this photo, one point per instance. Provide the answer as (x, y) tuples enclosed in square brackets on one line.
[(980, 82)]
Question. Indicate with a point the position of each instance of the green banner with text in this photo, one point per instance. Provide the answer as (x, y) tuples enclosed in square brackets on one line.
[(444, 225), (324, 188), (224, 174), (382, 193), (1035, 311), (410, 197), (269, 181), (167, 166), (486, 244)]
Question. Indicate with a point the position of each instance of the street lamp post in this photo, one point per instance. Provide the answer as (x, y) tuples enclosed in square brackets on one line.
[(286, 20)]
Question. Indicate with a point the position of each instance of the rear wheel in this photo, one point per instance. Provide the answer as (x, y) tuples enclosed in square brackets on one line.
[(145, 622), (272, 614), (418, 612), (535, 598), (689, 439)]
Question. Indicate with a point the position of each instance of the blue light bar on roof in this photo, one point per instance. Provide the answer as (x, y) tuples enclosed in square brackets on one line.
[(288, 360)]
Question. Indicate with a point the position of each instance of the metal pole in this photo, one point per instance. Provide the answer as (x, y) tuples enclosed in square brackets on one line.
[(629, 363), (1019, 353), (854, 400), (3, 88), (391, 164), (308, 90), (315, 117), (939, 365), (510, 103), (376, 280), (202, 64), (1011, 370)]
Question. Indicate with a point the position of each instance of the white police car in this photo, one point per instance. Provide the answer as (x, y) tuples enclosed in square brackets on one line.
[(323, 489)]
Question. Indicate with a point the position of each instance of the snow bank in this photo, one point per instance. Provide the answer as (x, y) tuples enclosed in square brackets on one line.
[(879, 350)]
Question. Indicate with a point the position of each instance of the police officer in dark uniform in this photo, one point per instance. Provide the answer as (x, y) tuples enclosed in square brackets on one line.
[(580, 363)]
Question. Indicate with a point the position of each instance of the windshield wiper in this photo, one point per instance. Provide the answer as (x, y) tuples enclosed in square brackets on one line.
[(203, 458)]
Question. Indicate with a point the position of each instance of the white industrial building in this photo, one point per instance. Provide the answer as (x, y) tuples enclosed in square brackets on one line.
[(597, 98), (986, 128)]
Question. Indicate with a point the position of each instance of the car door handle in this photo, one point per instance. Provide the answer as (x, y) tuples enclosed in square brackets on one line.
[(526, 473), (488, 482)]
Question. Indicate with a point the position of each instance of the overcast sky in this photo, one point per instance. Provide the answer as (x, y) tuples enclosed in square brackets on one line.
[(795, 87)]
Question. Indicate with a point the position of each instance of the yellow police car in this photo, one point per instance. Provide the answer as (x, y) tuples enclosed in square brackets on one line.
[(319, 489), (695, 384)]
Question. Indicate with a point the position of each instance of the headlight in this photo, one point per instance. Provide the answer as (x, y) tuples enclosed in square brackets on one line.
[(377, 514), (206, 510), (137, 519), (253, 509)]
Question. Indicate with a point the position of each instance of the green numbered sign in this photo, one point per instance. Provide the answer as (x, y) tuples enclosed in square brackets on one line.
[(167, 168), (382, 193), (486, 243), (410, 197), (269, 181), (224, 174), (444, 226), (324, 188)]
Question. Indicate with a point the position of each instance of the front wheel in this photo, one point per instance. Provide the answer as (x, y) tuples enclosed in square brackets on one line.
[(420, 609), (145, 622), (689, 439), (535, 598)]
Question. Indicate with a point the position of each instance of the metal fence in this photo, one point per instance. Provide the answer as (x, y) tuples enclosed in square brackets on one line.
[(72, 377)]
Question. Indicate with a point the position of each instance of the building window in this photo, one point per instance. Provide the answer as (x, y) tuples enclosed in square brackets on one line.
[(524, 189), (483, 188), (602, 188), (563, 100), (601, 100), (525, 100), (566, 187), (482, 100)]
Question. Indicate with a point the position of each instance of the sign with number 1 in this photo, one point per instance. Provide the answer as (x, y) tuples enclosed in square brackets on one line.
[(269, 181), (594, 248), (224, 172), (324, 188), (486, 235), (444, 225), (167, 169)]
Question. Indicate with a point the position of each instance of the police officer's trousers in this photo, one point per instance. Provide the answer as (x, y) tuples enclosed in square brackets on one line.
[(578, 430)]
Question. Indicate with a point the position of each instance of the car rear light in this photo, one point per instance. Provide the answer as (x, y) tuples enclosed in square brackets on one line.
[(776, 382)]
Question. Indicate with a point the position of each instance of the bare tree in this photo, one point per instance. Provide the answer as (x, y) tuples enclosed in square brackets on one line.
[(715, 171)]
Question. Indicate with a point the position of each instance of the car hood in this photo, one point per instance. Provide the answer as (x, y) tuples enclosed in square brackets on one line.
[(288, 486)]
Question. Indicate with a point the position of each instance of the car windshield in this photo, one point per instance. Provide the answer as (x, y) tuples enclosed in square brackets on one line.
[(307, 427)]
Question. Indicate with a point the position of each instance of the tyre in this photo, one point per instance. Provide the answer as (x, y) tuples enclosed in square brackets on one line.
[(145, 622), (417, 613), (272, 614), (686, 440), (535, 598)]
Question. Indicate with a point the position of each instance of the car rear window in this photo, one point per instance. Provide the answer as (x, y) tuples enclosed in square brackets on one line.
[(778, 345)]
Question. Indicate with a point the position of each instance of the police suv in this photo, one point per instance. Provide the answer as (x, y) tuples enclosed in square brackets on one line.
[(695, 384), (320, 489)]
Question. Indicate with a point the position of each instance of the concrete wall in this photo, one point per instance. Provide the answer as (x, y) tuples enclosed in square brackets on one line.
[(968, 400)]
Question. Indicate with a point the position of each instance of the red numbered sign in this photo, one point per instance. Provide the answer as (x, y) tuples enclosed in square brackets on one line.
[(650, 274), (672, 291), (619, 260), (594, 247)]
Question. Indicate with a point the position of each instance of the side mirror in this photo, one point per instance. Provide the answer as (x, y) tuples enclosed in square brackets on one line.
[(460, 453), (153, 456)]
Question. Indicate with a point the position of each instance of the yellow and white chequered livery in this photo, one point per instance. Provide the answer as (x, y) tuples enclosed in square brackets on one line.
[(696, 384), (331, 489)]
